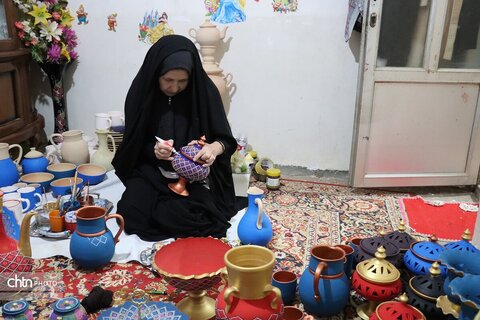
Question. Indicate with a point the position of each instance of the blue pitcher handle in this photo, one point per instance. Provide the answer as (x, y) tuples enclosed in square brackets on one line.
[(122, 224)]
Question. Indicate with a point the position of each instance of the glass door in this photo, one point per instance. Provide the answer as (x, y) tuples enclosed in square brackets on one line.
[(418, 110)]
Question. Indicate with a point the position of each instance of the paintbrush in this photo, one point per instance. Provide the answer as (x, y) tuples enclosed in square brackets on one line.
[(166, 143), (74, 186)]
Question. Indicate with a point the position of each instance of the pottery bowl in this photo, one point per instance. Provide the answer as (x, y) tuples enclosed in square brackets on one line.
[(63, 186), (91, 173), (62, 170), (43, 178)]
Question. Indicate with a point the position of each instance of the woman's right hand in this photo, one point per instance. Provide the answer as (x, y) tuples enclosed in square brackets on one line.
[(163, 151)]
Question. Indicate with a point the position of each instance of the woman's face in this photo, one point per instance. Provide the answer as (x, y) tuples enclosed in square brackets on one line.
[(173, 82)]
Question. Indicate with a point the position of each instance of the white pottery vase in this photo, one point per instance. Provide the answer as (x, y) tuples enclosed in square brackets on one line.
[(103, 156)]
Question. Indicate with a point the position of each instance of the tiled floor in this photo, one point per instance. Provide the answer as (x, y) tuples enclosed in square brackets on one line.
[(453, 193)]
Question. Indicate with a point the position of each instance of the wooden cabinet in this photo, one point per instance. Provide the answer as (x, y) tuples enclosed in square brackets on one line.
[(19, 120)]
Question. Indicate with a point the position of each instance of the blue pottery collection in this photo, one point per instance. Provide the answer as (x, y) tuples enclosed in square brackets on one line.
[(255, 227), (34, 161), (323, 287), (8, 167), (92, 244)]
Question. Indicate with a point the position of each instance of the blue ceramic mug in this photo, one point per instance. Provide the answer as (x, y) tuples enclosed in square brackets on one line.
[(30, 193), (286, 281)]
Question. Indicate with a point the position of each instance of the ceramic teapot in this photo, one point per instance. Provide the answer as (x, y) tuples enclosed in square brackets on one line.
[(35, 161), (8, 167), (73, 148), (208, 34)]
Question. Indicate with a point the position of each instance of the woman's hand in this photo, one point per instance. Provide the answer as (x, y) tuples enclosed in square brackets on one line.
[(209, 152), (163, 151)]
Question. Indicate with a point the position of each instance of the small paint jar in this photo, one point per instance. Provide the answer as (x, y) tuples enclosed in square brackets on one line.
[(71, 221), (273, 178)]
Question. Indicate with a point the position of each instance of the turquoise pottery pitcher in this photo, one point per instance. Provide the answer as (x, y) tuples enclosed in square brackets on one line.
[(92, 244), (323, 287), (8, 167), (255, 227)]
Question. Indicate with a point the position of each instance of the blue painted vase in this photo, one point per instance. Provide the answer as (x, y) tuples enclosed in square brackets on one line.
[(8, 167), (92, 244), (255, 227), (323, 287)]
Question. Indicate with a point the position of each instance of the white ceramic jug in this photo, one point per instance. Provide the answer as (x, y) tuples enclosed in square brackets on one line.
[(73, 148)]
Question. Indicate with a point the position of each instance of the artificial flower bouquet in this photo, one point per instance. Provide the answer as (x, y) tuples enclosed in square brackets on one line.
[(46, 29)]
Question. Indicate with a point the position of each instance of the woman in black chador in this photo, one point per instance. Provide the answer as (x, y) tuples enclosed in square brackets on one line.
[(173, 98)]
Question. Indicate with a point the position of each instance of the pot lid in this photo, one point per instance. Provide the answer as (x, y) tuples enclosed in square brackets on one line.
[(464, 244), (427, 250), (370, 245), (33, 153), (400, 237), (378, 270), (14, 308), (428, 286), (190, 151), (398, 310), (67, 304)]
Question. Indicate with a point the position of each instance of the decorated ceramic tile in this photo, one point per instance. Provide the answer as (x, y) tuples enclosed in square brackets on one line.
[(112, 22), (154, 26), (82, 15), (227, 11), (284, 6)]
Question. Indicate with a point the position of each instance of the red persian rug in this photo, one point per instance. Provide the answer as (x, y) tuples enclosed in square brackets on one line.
[(303, 215), (446, 220)]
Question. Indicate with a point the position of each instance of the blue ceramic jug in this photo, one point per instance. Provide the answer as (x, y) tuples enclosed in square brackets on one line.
[(92, 244), (34, 161), (8, 167), (323, 287), (255, 227)]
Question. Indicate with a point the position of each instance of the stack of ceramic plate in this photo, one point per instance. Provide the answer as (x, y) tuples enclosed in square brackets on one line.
[(117, 137)]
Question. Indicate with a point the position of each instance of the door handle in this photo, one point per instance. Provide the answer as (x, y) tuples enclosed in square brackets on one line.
[(373, 20)]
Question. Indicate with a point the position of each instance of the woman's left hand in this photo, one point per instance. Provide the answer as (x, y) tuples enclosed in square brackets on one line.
[(209, 153)]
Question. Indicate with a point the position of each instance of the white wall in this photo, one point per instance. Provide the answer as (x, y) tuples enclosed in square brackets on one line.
[(295, 75)]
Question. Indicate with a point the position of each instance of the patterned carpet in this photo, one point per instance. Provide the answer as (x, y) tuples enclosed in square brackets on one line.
[(303, 214)]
